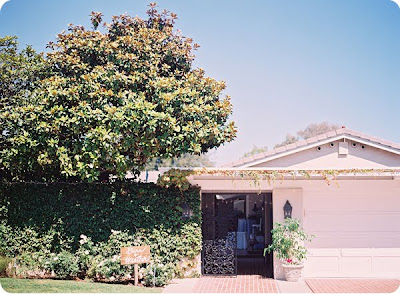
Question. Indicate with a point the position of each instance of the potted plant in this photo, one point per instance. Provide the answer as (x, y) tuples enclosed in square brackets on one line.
[(287, 243)]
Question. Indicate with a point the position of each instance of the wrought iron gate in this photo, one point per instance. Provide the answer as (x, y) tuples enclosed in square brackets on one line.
[(219, 255)]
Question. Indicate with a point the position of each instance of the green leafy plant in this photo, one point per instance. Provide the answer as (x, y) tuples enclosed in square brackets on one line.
[(158, 274), (109, 269), (64, 265), (85, 254), (101, 260), (287, 242), (17, 240), (175, 178), (64, 211), (4, 262), (31, 265)]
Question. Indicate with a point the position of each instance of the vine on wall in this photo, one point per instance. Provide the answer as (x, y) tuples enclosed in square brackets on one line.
[(257, 176)]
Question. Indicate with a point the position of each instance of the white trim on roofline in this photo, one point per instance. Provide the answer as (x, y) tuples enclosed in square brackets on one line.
[(317, 143)]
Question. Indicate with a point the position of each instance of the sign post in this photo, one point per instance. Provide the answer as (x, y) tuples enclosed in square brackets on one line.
[(136, 274), (135, 255)]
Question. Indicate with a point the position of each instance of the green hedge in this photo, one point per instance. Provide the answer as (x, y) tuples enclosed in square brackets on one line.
[(95, 209), (50, 220)]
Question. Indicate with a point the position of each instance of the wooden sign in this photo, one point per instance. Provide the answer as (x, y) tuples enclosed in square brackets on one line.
[(135, 255)]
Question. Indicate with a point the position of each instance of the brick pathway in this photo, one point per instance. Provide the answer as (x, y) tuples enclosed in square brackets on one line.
[(235, 284), (353, 285)]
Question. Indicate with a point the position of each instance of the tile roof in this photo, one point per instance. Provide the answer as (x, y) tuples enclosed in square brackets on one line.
[(309, 141)]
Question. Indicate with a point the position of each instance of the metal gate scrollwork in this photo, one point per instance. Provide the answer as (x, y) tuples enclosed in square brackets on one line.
[(219, 255)]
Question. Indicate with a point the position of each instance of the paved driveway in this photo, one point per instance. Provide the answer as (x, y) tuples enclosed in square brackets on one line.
[(353, 285)]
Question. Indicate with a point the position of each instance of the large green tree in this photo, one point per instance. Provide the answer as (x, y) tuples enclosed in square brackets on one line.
[(20, 71), (114, 99)]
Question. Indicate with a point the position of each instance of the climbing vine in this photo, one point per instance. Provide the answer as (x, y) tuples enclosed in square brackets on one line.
[(179, 178), (272, 175)]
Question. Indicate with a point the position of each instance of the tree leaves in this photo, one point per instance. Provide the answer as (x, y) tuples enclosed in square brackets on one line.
[(110, 102)]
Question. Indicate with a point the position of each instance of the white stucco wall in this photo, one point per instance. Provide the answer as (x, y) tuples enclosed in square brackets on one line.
[(279, 197), (356, 222)]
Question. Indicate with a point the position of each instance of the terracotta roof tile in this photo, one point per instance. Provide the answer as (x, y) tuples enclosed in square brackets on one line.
[(331, 134), (301, 143), (249, 159), (293, 146), (373, 138), (269, 153), (240, 161), (280, 149), (312, 140), (259, 156), (354, 133), (341, 131), (368, 137)]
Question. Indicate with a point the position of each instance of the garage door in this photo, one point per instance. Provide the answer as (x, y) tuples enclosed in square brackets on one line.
[(357, 229)]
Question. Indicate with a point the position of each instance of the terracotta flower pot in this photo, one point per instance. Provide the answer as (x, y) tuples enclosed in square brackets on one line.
[(292, 272)]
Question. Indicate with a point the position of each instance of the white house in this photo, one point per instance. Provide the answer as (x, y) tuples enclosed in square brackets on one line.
[(350, 202)]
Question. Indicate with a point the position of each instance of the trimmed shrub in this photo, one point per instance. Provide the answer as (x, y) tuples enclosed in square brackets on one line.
[(17, 240), (158, 274), (94, 209), (63, 265), (31, 265)]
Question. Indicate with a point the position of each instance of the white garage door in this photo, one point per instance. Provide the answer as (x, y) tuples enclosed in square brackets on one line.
[(357, 229)]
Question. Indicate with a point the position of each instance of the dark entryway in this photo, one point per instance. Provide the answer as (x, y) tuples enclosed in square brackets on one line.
[(236, 229)]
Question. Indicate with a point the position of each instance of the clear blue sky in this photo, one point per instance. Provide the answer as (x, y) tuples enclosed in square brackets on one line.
[(286, 63)]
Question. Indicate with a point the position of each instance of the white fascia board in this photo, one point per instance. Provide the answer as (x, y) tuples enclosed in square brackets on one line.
[(373, 144), (322, 142)]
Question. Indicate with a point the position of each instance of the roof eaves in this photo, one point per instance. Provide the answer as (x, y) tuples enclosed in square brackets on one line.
[(336, 134)]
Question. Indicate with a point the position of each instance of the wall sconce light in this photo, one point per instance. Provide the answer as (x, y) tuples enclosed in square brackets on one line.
[(287, 210), (186, 211)]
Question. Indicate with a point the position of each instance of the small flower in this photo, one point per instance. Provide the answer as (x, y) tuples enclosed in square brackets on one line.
[(289, 260), (87, 252), (55, 258)]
